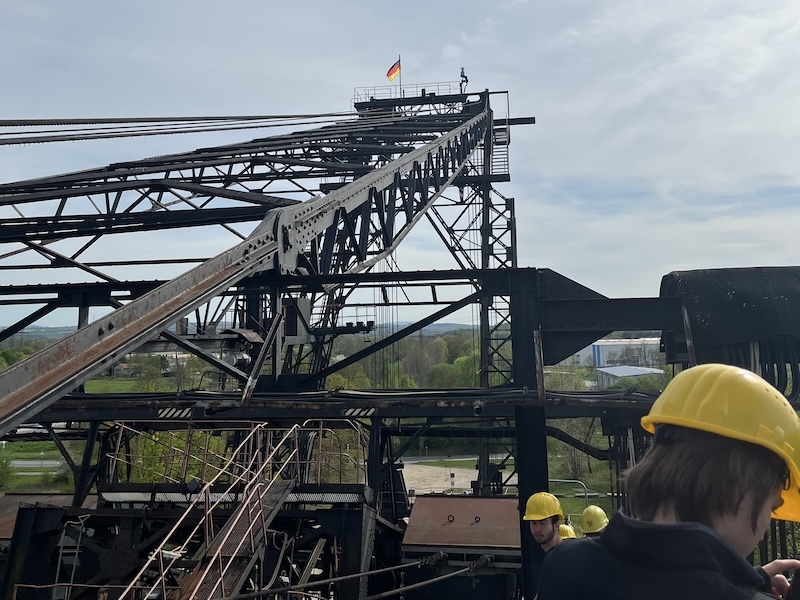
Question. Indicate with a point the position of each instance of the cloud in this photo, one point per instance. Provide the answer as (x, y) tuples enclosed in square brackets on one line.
[(451, 52), (625, 253), (666, 134)]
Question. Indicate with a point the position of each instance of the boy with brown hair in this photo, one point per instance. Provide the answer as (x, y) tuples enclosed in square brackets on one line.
[(724, 458)]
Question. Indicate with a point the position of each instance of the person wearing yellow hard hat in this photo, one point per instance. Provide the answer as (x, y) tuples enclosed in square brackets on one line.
[(724, 458), (566, 532), (593, 521), (544, 512)]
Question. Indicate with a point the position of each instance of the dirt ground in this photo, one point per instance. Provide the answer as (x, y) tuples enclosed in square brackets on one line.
[(425, 479)]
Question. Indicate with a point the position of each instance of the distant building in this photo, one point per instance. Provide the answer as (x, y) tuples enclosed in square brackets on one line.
[(642, 352), (121, 370), (608, 376)]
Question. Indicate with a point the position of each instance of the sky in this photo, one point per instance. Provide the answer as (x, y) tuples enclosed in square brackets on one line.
[(666, 134)]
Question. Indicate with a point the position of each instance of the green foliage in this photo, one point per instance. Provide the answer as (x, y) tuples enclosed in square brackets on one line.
[(336, 381), (443, 376), (106, 385), (563, 377), (356, 377), (34, 477), (30, 450), (11, 355), (147, 370), (18, 347), (5, 473), (637, 356), (586, 429), (460, 342), (187, 372), (468, 368), (643, 382), (419, 355), (161, 457), (447, 360)]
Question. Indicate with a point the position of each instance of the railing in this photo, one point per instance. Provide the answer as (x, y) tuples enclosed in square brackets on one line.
[(171, 552), (24, 591), (242, 486), (168, 456), (410, 90), (501, 139), (336, 455)]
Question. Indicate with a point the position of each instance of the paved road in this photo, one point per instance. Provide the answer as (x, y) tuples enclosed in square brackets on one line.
[(33, 463), (409, 458)]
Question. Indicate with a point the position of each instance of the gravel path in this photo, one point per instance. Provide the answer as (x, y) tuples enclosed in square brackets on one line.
[(425, 479)]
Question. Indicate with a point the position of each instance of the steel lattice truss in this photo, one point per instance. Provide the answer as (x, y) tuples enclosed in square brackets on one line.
[(336, 199)]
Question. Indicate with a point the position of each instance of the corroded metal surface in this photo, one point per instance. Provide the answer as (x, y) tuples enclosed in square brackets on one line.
[(9, 506), (463, 521), (32, 384)]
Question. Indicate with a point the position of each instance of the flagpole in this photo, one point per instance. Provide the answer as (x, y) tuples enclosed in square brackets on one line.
[(400, 75)]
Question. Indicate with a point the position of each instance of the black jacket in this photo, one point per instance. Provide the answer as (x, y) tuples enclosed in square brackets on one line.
[(636, 560)]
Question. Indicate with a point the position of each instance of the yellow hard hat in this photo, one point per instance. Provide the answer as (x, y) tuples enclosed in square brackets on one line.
[(735, 403), (566, 532), (542, 505), (593, 519)]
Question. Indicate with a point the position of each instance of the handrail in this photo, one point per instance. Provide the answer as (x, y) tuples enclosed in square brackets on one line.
[(202, 501)]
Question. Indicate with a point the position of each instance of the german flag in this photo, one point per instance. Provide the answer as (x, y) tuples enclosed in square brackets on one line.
[(393, 71)]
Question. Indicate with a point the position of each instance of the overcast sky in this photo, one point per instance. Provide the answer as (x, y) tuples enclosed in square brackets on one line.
[(666, 135)]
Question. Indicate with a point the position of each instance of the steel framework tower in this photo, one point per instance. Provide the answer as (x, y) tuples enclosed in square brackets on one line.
[(251, 477), (380, 173), (327, 203)]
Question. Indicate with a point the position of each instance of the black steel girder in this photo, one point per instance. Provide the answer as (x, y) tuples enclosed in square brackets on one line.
[(27, 387)]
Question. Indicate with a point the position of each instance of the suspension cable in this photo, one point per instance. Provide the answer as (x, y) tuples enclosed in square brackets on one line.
[(480, 562), (125, 120), (425, 560), (150, 126)]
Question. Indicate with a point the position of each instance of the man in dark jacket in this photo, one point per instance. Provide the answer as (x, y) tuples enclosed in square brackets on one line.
[(724, 459)]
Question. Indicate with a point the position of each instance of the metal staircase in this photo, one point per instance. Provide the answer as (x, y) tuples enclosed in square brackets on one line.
[(180, 568), (233, 551)]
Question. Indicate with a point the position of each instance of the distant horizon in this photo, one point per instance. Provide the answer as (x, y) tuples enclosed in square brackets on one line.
[(434, 326), (446, 326)]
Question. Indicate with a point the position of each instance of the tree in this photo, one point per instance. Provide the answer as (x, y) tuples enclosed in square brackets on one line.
[(419, 355), (336, 381), (460, 342), (5, 473), (583, 429), (444, 375), (12, 355), (562, 377), (651, 381), (468, 368), (349, 378), (147, 368)]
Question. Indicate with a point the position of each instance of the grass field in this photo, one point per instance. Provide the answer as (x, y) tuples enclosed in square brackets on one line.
[(571, 495), (33, 477), (111, 386), (595, 474)]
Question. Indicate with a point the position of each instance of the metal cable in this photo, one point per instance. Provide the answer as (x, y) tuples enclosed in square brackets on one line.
[(481, 562), (425, 560), (159, 126), (287, 541), (125, 120)]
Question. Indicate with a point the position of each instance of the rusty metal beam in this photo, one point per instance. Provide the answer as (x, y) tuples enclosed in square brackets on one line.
[(31, 385)]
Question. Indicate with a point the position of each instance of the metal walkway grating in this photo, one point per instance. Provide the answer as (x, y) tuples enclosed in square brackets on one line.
[(229, 557)]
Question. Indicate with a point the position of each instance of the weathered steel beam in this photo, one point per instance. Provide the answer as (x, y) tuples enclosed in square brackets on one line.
[(30, 385)]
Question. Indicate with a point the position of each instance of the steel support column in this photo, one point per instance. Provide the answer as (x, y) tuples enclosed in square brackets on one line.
[(531, 438)]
